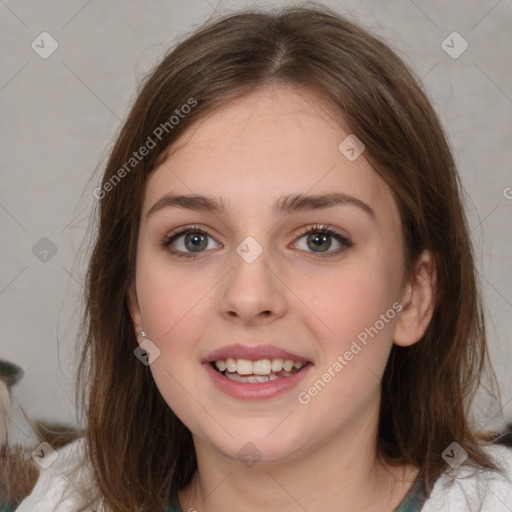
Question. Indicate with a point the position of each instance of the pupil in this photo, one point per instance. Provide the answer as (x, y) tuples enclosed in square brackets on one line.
[(318, 240), (198, 241)]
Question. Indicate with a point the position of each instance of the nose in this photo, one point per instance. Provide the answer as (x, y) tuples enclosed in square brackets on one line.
[(253, 292)]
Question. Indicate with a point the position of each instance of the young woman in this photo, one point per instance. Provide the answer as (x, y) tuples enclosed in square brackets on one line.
[(282, 308)]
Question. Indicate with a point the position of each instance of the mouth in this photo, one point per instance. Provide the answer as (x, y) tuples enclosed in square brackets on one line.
[(257, 371)]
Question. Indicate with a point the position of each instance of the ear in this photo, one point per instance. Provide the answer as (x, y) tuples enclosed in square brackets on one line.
[(134, 309), (418, 302)]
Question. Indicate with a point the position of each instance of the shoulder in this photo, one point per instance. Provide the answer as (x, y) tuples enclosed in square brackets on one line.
[(60, 485), (470, 490)]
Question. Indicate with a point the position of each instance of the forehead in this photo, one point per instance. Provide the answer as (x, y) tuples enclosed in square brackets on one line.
[(272, 142)]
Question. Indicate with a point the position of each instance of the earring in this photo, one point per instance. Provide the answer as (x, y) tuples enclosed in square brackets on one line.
[(413, 301), (142, 334)]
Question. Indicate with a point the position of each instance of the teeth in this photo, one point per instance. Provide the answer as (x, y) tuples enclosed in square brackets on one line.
[(244, 367), (288, 365), (253, 379), (230, 365), (262, 367), (277, 365)]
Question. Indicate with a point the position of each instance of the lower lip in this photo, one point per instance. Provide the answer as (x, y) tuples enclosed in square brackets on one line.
[(258, 390)]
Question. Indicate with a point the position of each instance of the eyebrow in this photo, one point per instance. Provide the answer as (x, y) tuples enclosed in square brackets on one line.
[(284, 205)]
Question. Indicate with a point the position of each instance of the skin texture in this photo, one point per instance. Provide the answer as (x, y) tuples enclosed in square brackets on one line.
[(273, 142)]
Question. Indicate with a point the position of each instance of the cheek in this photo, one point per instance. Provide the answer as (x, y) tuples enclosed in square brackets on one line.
[(176, 324), (173, 308), (176, 311), (354, 316), (169, 298), (358, 310)]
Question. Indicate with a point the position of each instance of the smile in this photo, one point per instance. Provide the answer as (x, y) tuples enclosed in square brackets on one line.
[(258, 371)]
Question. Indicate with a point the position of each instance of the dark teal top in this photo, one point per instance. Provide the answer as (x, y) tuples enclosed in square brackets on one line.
[(413, 502)]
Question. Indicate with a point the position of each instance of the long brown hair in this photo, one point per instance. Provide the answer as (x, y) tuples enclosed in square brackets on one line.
[(141, 453)]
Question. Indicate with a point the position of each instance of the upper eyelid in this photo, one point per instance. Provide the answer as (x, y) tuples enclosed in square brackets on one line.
[(303, 230)]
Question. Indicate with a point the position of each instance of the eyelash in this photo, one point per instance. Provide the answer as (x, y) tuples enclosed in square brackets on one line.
[(345, 242)]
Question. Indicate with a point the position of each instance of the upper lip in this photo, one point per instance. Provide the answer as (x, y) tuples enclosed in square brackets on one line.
[(254, 352)]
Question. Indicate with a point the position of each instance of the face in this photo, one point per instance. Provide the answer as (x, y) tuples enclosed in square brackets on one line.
[(268, 277)]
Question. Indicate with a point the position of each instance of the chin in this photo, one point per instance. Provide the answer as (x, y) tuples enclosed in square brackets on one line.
[(250, 447)]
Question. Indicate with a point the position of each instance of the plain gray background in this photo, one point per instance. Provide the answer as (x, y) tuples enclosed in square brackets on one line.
[(61, 113)]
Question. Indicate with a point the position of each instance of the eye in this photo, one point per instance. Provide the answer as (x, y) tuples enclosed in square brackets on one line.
[(187, 241), (319, 240), (190, 241)]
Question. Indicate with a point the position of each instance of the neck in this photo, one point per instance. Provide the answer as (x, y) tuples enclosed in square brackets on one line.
[(343, 473)]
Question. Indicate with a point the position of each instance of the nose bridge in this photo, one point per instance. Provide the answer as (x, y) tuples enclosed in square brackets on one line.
[(251, 288)]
